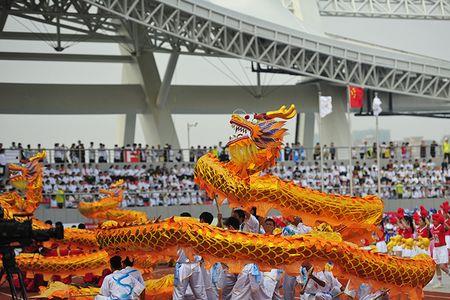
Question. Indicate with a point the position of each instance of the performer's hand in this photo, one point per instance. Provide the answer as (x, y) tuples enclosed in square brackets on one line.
[(302, 290), (219, 220)]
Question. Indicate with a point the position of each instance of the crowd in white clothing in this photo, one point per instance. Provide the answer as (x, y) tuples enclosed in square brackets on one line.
[(164, 185), (404, 179), (145, 185)]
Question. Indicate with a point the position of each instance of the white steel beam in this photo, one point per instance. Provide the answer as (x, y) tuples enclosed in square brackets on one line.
[(163, 92), (404, 9), (200, 26), (64, 37), (27, 56)]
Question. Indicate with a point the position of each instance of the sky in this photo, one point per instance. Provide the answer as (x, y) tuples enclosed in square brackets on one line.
[(425, 37)]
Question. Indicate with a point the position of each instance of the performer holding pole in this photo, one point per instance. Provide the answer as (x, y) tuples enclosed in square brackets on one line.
[(376, 108), (325, 108)]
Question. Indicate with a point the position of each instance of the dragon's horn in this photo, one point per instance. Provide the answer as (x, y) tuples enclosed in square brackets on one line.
[(40, 155), (283, 113), (117, 183)]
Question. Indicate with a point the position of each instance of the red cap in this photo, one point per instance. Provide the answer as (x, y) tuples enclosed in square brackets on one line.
[(423, 212), (438, 218), (445, 207), (416, 217), (400, 213)]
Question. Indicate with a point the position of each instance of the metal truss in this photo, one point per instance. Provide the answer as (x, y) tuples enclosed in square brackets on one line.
[(408, 9), (69, 14), (201, 26), (91, 24)]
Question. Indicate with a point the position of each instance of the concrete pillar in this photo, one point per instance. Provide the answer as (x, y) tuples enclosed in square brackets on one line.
[(130, 129), (308, 129), (157, 124), (163, 93)]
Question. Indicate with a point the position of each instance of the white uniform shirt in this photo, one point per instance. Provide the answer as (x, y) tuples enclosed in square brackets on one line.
[(121, 285), (250, 225), (135, 273)]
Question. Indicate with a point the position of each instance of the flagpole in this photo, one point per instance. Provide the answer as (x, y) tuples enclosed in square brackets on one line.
[(320, 143), (350, 140), (377, 137)]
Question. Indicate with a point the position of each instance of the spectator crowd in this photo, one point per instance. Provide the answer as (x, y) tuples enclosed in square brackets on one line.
[(131, 153), (66, 185), (137, 152), (406, 179), (158, 176)]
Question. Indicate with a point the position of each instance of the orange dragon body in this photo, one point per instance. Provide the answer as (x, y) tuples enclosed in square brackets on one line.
[(155, 289), (255, 148), (108, 207), (28, 182), (268, 251)]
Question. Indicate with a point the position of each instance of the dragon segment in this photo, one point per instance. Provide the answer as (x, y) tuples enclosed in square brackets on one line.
[(155, 289), (253, 149), (108, 208), (238, 248), (27, 180), (80, 264)]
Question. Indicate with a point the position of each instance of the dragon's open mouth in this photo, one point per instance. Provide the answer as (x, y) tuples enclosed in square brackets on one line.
[(15, 174), (240, 132)]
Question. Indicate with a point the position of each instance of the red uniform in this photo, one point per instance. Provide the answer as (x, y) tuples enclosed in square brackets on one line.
[(438, 233), (406, 233), (423, 232), (447, 223)]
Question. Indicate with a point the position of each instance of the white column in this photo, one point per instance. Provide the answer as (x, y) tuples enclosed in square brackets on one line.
[(163, 93), (308, 129), (130, 129), (157, 124)]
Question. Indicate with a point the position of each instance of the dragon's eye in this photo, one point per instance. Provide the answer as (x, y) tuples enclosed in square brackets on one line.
[(247, 117)]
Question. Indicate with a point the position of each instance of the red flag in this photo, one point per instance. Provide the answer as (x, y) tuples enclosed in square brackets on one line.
[(356, 97)]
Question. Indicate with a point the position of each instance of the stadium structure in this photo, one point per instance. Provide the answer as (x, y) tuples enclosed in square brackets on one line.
[(287, 37)]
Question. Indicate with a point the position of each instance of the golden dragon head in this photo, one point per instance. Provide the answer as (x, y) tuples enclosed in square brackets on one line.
[(28, 174), (256, 143)]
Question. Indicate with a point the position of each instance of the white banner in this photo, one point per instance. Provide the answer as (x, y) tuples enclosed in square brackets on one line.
[(376, 106), (325, 106)]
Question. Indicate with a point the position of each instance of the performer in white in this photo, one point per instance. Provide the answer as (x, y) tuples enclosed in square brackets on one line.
[(189, 275), (272, 279), (317, 285), (120, 284), (249, 283), (249, 223), (128, 267), (296, 226)]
